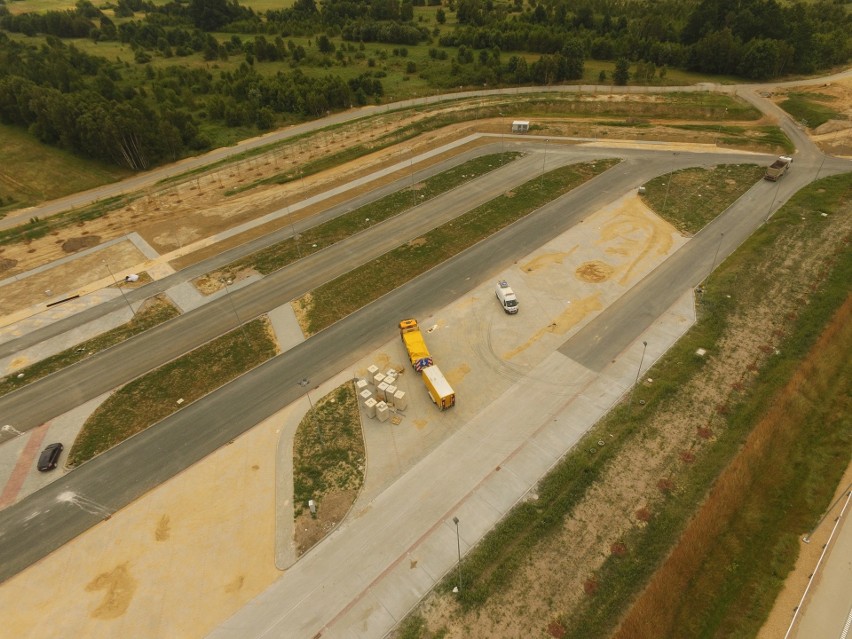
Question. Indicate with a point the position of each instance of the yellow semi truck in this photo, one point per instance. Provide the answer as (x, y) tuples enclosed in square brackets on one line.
[(414, 344), (437, 386)]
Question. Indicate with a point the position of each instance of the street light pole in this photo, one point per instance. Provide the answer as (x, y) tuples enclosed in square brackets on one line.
[(544, 162), (716, 255), (458, 547), (234, 307), (638, 373), (121, 290)]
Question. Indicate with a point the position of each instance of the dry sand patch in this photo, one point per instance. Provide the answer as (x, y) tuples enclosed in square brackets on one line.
[(174, 563), (71, 277)]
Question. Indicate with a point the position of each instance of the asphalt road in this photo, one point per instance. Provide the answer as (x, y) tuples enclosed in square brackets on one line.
[(54, 395)]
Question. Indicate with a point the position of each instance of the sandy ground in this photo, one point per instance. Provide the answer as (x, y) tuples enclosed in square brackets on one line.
[(185, 555)]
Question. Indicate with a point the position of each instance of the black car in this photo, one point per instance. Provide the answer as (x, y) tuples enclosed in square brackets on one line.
[(49, 457)]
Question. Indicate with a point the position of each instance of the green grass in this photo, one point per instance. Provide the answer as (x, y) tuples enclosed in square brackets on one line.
[(691, 198), (150, 316), (28, 171), (808, 108), (343, 226), (336, 299), (489, 567), (767, 137), (328, 449), (37, 227), (154, 396)]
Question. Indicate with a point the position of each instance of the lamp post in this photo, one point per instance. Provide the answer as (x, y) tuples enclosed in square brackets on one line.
[(668, 184), (234, 308), (293, 229), (638, 373), (304, 384), (544, 162), (716, 255), (121, 290), (458, 547), (719, 130)]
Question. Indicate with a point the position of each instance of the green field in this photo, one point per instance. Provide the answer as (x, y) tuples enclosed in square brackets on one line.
[(29, 171)]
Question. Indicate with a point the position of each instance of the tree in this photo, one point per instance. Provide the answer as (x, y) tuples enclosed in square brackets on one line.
[(622, 71), (440, 16)]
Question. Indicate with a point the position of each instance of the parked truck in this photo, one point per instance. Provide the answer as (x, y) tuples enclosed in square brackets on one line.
[(437, 386), (414, 344), (778, 168), (506, 297)]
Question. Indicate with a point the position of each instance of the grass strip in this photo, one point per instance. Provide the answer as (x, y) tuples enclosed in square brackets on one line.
[(489, 567), (693, 197), (768, 137), (808, 109), (324, 235), (154, 396), (37, 228), (336, 299), (156, 311), (328, 449)]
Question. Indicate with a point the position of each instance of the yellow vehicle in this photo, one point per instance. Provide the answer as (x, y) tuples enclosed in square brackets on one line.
[(412, 338), (438, 387)]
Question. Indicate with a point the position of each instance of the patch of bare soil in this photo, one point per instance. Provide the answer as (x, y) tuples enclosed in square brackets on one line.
[(74, 244), (558, 574), (7, 265), (71, 278), (118, 588), (330, 512), (595, 271)]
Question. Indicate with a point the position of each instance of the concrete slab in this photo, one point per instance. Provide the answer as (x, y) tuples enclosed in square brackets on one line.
[(286, 327), (186, 297), (502, 489)]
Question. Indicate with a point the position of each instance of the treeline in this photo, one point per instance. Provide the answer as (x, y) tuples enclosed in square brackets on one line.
[(756, 39), (81, 103)]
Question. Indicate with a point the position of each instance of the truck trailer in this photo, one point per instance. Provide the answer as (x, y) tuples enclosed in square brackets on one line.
[(414, 344), (778, 168), (438, 387)]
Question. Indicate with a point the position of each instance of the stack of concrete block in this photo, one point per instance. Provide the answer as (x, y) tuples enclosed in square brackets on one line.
[(370, 407), (382, 411), (389, 393), (378, 378), (365, 395), (381, 391), (361, 385), (372, 369), (400, 401)]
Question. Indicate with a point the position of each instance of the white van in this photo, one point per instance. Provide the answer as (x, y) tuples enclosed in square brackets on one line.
[(506, 297)]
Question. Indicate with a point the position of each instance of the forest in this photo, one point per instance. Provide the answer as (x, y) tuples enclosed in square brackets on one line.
[(202, 64)]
